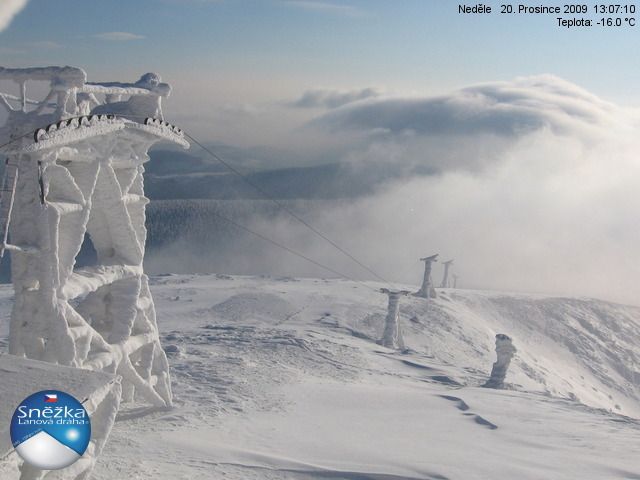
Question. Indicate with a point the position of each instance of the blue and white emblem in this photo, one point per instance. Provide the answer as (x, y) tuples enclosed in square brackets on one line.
[(50, 430)]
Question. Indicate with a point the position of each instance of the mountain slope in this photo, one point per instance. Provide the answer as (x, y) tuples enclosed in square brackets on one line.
[(281, 378)]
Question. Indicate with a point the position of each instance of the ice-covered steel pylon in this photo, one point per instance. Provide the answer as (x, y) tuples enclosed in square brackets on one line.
[(392, 335), (76, 169), (445, 275), (427, 290), (504, 352)]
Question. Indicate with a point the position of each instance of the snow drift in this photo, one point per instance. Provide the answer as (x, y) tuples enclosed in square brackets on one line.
[(284, 378)]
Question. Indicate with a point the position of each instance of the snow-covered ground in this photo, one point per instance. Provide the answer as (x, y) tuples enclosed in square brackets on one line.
[(281, 378)]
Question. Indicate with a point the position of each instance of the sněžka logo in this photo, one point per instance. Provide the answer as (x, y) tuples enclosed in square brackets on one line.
[(50, 430)]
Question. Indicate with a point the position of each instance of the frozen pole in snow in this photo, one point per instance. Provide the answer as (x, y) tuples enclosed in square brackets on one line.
[(445, 277), (392, 337), (427, 290), (455, 280), (504, 351)]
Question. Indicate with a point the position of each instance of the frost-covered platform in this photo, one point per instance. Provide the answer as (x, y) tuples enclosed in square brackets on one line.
[(21, 377), (74, 174)]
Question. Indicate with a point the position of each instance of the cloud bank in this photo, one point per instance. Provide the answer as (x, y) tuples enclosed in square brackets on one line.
[(8, 10), (468, 129), (531, 185), (501, 108)]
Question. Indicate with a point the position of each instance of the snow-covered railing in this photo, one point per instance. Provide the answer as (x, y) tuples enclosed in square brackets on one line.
[(62, 82), (28, 101), (63, 76), (113, 90), (71, 95)]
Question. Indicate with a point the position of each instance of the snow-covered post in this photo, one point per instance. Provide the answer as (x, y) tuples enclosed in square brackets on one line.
[(392, 336), (445, 276), (455, 280), (427, 290), (504, 352)]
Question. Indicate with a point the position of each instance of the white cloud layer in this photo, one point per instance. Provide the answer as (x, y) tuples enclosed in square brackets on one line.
[(537, 188), (500, 108), (8, 10), (469, 129), (551, 215), (534, 188)]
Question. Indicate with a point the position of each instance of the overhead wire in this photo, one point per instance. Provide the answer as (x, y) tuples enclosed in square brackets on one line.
[(284, 208), (275, 201), (19, 137), (290, 250), (249, 230), (270, 197)]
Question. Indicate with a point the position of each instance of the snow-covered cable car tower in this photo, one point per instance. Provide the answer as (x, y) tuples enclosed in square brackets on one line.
[(445, 275), (79, 171), (427, 290)]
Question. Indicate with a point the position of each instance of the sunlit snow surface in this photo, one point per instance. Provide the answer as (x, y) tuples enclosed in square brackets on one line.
[(279, 378)]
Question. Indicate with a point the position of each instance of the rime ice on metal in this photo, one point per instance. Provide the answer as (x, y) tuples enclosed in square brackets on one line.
[(392, 336), (504, 351), (427, 290), (80, 171)]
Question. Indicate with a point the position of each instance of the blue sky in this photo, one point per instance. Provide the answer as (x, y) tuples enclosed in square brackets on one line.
[(410, 46)]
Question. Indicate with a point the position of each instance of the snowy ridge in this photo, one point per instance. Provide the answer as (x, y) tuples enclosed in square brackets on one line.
[(582, 349), (282, 378)]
